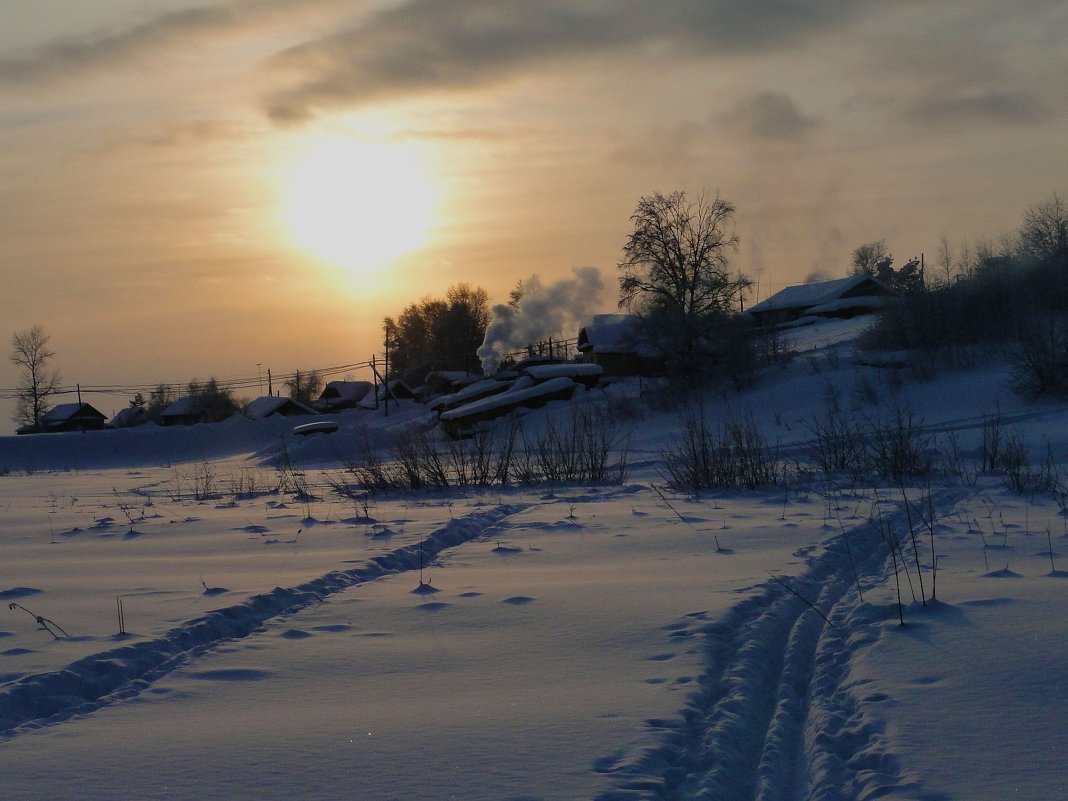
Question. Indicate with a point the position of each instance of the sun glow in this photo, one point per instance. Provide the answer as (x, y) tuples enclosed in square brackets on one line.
[(359, 204)]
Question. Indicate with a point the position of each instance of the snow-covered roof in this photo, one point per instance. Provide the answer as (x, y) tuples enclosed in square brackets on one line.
[(818, 293), (512, 396), (346, 390), (543, 372), (472, 392), (190, 404), (611, 333), (397, 389), (269, 404), (127, 416), (872, 302), (67, 411)]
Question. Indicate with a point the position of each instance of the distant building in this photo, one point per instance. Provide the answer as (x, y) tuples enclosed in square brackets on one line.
[(187, 411), (841, 297), (71, 417), (617, 343), (338, 395), (395, 389), (128, 417), (270, 405)]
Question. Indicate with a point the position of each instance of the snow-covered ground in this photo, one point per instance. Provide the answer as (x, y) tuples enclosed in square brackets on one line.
[(549, 642)]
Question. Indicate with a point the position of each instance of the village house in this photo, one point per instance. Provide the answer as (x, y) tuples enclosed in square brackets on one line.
[(69, 417), (271, 405), (840, 297), (616, 343), (338, 395)]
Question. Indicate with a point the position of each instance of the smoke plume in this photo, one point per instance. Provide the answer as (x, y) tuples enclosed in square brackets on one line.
[(543, 311)]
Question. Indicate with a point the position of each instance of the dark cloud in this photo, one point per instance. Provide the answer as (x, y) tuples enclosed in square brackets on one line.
[(999, 107), (769, 115), (71, 58), (429, 45), (77, 57)]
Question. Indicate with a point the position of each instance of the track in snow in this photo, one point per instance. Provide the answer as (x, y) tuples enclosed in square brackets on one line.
[(775, 717), (96, 680)]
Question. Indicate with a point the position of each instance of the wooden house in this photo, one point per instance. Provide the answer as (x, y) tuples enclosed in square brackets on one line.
[(187, 411), (840, 297), (338, 395), (72, 417), (270, 405), (617, 343)]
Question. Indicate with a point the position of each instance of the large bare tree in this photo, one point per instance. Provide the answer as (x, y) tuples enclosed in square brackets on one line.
[(1044, 233), (674, 271), (30, 353), (868, 257)]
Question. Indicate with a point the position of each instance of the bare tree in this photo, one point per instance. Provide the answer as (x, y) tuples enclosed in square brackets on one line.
[(946, 260), (1044, 232), (674, 269), (30, 353), (304, 387), (867, 257)]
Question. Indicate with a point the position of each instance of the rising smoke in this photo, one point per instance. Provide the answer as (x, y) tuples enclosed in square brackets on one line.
[(543, 311)]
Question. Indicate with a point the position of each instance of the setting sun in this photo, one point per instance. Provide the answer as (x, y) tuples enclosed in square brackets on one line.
[(359, 204)]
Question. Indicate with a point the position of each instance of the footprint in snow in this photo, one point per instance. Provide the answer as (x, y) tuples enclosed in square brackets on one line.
[(518, 600), (295, 634), (230, 674), (433, 606), (1003, 573), (18, 592), (661, 657)]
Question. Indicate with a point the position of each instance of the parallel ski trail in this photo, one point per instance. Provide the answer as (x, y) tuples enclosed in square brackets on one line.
[(775, 718), (122, 672)]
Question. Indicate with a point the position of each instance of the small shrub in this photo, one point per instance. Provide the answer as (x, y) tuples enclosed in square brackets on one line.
[(838, 443), (1040, 358), (736, 455), (899, 447), (1015, 461)]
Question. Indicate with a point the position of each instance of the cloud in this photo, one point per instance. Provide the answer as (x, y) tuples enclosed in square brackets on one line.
[(75, 58), (182, 133), (429, 45), (59, 60), (1005, 107), (769, 115)]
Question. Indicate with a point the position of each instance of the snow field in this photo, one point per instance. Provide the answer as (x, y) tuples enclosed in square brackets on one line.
[(596, 643)]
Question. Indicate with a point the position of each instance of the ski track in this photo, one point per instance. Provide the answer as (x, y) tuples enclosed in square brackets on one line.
[(113, 675), (776, 716)]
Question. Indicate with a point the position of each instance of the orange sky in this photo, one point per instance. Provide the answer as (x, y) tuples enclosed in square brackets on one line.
[(155, 155)]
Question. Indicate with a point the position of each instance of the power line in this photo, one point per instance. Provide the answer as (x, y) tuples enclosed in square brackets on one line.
[(228, 383)]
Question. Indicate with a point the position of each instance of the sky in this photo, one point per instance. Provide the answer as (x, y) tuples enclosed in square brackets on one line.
[(195, 189)]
